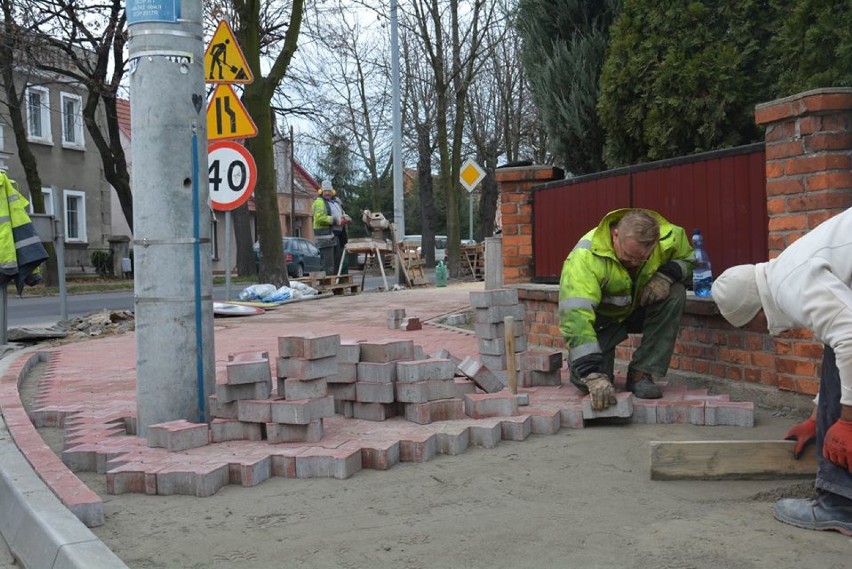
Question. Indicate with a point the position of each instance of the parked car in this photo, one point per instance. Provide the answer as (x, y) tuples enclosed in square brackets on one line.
[(301, 256), (412, 241)]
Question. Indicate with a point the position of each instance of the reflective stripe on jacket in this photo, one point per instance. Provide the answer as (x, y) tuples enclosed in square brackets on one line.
[(21, 249), (594, 282)]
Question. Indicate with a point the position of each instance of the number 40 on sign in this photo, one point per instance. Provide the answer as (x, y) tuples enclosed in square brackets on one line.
[(232, 174)]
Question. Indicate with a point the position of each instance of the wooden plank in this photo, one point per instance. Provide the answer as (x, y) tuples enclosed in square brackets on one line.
[(729, 460)]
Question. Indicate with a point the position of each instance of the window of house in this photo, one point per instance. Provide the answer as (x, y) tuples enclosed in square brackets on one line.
[(72, 120), (47, 193), (38, 114), (75, 216)]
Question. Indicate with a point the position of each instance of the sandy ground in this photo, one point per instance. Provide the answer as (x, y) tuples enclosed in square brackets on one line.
[(580, 498)]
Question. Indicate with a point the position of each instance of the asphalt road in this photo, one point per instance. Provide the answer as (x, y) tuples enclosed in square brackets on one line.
[(44, 311)]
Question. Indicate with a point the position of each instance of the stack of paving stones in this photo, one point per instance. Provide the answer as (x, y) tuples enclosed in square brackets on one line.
[(397, 320), (490, 308)]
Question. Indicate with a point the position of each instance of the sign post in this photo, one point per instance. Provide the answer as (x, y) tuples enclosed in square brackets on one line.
[(470, 174)]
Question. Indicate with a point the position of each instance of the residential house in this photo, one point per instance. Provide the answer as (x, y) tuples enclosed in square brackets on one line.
[(69, 165)]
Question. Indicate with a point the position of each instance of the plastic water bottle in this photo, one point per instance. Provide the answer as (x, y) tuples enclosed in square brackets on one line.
[(440, 274), (702, 271)]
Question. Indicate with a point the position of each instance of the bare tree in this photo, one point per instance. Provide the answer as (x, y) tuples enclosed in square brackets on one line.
[(92, 38), (453, 42)]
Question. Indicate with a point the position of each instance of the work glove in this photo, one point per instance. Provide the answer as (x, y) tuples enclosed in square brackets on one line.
[(656, 289), (803, 433), (600, 390), (837, 446)]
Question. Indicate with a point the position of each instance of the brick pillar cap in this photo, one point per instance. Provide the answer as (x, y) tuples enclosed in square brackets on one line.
[(528, 174), (829, 99)]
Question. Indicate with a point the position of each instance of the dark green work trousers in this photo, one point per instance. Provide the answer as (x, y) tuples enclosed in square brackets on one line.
[(658, 323)]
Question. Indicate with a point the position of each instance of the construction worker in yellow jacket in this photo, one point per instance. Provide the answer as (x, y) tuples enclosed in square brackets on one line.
[(626, 276), (329, 219), (21, 250)]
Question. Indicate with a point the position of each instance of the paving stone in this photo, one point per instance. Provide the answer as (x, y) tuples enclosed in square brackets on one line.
[(346, 373), (248, 356), (444, 354), (377, 372), (537, 360), (282, 433), (623, 407), (387, 351), (486, 434), (494, 297), (249, 471), (544, 421), (482, 405), (645, 411), (228, 393), (516, 428), (495, 363), (349, 352), (304, 388), (425, 370), (222, 410), (243, 371), (372, 411), (302, 368), (680, 412), (254, 410), (571, 416), (496, 314), (309, 347), (418, 447), (374, 392), (491, 331), (178, 435), (535, 378), (734, 413), (284, 461), (423, 391), (316, 462), (222, 430), (376, 455), (198, 480), (302, 411), (432, 411), (479, 374), (411, 324), (454, 440), (342, 391)]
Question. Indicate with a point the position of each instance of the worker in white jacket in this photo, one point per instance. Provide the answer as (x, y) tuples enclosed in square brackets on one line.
[(810, 286)]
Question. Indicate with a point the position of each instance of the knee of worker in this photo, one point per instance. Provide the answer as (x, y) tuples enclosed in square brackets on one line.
[(674, 302)]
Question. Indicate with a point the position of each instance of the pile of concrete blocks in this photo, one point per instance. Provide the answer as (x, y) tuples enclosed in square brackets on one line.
[(397, 320), (394, 377), (491, 307), (243, 408)]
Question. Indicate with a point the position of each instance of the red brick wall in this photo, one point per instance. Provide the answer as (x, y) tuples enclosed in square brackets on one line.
[(808, 180)]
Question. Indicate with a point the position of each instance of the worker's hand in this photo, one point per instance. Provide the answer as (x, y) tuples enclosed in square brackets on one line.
[(837, 446), (600, 390), (803, 433), (656, 290)]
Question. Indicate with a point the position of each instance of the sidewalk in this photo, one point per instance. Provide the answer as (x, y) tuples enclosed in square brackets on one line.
[(89, 389)]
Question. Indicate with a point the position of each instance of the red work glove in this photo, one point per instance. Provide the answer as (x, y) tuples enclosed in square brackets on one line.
[(804, 433), (837, 446)]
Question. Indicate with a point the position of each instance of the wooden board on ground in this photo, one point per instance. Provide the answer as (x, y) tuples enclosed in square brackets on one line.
[(729, 460), (335, 284)]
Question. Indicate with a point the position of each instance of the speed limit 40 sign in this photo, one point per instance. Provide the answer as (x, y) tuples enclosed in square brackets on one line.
[(231, 173)]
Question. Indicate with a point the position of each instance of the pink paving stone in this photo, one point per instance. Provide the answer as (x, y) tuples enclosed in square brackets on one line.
[(432, 411), (623, 407), (680, 412), (672, 392), (645, 411), (198, 480), (178, 435), (308, 346), (383, 351), (516, 428), (571, 416), (544, 421), (453, 438), (735, 413), (222, 430), (541, 360), (371, 411), (374, 392), (249, 472), (248, 356), (331, 463), (239, 372), (486, 433), (282, 433), (418, 447), (376, 454), (720, 397), (284, 462), (254, 410), (133, 477), (301, 412), (482, 405)]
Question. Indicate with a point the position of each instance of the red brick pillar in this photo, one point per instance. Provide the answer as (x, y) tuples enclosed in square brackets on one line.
[(514, 185), (808, 161), (808, 180)]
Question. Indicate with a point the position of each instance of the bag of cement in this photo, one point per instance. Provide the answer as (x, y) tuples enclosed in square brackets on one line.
[(302, 289), (257, 292)]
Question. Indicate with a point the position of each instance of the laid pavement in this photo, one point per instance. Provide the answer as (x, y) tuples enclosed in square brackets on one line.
[(89, 389)]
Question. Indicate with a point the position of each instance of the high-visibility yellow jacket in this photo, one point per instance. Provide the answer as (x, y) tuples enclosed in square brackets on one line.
[(21, 249), (593, 281)]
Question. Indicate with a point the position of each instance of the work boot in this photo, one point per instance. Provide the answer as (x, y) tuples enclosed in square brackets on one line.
[(641, 384), (825, 512)]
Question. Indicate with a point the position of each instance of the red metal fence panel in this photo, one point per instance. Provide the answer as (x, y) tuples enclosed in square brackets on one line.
[(722, 192)]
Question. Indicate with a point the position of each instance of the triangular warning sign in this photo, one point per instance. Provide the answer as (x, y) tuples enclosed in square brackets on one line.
[(224, 61), (227, 117)]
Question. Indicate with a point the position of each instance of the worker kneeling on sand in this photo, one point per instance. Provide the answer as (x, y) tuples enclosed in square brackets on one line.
[(810, 286), (624, 276)]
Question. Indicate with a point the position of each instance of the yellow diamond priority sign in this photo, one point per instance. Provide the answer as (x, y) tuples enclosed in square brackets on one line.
[(224, 61), (470, 174)]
